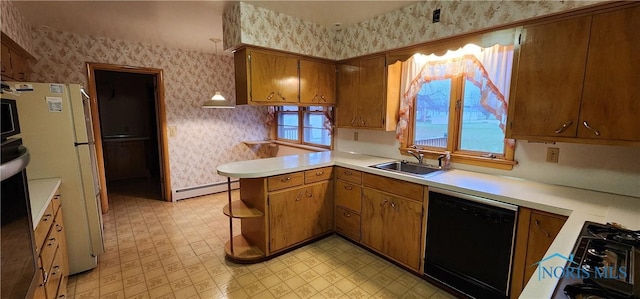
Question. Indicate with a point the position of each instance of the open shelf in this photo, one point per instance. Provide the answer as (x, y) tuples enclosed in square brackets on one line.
[(241, 210), (243, 252)]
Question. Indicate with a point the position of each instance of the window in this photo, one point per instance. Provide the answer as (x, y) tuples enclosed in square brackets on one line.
[(304, 125), (458, 103)]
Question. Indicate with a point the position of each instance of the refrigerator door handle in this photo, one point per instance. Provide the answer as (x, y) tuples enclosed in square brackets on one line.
[(83, 143)]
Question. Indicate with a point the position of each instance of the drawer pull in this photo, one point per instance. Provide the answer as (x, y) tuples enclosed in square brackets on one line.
[(285, 179), (270, 96), (62, 296), (47, 217), (348, 187), (299, 196), (319, 173), (57, 196), (586, 125), (60, 228), (308, 194), (46, 277), (347, 214), (395, 207), (384, 202), (57, 270), (52, 242)]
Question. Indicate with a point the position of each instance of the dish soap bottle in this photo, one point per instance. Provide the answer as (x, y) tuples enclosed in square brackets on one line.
[(447, 160)]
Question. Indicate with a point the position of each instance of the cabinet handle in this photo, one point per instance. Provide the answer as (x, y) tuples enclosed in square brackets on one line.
[(384, 202), (319, 173), (46, 277), (541, 229), (285, 179), (586, 124), (308, 194), (57, 270), (395, 207), (52, 242), (299, 196), (564, 127), (47, 217), (323, 98), (270, 96), (348, 187), (313, 100), (362, 122), (60, 228), (347, 214), (280, 95), (353, 121), (63, 296)]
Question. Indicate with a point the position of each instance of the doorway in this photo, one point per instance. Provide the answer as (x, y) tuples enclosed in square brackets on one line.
[(131, 133)]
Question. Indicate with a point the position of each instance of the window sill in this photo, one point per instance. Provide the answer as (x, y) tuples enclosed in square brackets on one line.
[(496, 163)]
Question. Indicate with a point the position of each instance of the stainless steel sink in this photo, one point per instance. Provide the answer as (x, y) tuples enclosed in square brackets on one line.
[(408, 168)]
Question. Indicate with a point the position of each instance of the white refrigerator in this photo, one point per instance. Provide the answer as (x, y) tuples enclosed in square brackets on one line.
[(56, 127)]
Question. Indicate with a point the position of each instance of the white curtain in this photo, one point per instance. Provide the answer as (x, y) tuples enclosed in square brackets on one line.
[(487, 68)]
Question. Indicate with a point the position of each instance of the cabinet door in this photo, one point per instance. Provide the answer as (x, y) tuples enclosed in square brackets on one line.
[(286, 218), (6, 62), (372, 94), (347, 95), (543, 229), (300, 214), (274, 78), (548, 86), (20, 67), (317, 83), (403, 231), (611, 85), (373, 218)]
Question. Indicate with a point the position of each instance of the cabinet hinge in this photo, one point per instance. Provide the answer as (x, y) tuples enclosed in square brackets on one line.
[(520, 39)]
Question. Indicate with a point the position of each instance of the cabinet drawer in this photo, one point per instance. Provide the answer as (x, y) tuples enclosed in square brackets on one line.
[(42, 229), (48, 251), (349, 175), (55, 203), (51, 286), (285, 181), (348, 223), (348, 195), (396, 187), (316, 175)]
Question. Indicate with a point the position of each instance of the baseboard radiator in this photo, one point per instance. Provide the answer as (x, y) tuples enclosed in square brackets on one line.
[(194, 191)]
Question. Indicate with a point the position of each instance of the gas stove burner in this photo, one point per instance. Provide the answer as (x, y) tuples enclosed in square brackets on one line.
[(626, 237), (597, 252), (592, 268)]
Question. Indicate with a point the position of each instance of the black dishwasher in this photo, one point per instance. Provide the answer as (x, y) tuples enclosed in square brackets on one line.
[(469, 243)]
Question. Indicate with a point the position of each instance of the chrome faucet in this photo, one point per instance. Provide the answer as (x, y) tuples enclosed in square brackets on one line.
[(418, 156)]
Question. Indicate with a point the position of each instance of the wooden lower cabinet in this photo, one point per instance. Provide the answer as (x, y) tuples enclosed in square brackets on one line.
[(393, 225), (535, 232), (300, 214), (52, 253)]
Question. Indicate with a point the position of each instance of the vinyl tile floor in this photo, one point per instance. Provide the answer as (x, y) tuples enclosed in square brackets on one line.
[(158, 249)]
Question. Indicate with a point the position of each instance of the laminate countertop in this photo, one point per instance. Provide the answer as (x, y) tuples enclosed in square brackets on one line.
[(579, 205), (41, 193)]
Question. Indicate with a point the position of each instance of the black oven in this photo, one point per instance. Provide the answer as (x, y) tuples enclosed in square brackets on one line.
[(17, 246), (9, 118)]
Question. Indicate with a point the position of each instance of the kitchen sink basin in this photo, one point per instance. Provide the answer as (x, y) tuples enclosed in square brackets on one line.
[(408, 168)]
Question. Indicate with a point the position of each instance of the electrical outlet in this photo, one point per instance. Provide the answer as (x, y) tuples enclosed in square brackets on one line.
[(355, 136), (552, 154), (436, 16), (173, 131)]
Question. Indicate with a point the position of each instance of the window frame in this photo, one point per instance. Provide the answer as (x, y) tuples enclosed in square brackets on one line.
[(302, 110), (484, 159)]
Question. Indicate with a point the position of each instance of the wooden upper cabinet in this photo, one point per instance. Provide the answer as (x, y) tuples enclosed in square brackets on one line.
[(362, 95), (15, 66), (610, 100), (576, 80), (273, 78), (549, 79), (317, 82)]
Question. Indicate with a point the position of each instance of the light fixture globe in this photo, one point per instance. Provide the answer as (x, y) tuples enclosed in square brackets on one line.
[(217, 101)]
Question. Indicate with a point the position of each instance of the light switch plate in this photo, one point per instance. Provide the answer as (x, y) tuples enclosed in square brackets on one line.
[(552, 154)]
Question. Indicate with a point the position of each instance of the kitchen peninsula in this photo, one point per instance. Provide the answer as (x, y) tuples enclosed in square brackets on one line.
[(578, 205)]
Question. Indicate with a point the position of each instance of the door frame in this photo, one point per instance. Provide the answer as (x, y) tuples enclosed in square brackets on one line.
[(161, 119)]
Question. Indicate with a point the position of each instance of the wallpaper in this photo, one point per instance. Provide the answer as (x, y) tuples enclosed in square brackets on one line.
[(411, 25), (15, 26), (205, 138), (247, 24)]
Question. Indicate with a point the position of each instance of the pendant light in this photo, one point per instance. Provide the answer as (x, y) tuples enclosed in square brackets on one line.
[(217, 100)]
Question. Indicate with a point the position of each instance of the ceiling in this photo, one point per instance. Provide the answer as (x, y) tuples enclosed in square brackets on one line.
[(183, 24)]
